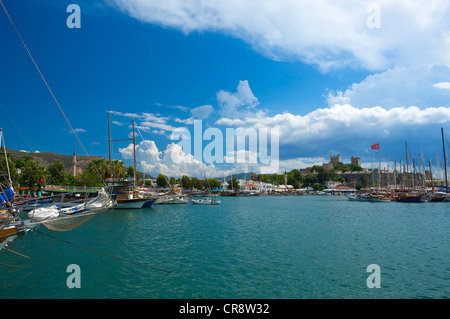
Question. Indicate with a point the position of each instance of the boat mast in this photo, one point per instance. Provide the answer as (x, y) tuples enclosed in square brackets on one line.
[(379, 170), (2, 138), (109, 145), (445, 160), (431, 177), (134, 153), (407, 168), (388, 184)]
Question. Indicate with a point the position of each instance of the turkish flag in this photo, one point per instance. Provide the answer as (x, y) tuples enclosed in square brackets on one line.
[(41, 180), (375, 146)]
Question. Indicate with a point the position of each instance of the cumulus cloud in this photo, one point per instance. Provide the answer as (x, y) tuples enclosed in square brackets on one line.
[(154, 162), (399, 86), (239, 104), (327, 33)]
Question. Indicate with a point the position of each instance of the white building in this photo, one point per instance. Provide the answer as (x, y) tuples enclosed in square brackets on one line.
[(332, 184)]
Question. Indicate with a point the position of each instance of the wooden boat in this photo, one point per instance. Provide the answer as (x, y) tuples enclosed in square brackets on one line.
[(365, 198), (409, 198), (7, 235), (228, 193), (127, 198)]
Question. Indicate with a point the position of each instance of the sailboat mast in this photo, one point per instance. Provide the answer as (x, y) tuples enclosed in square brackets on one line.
[(379, 170), (407, 168), (6, 156), (109, 146), (431, 176), (445, 160), (134, 153), (388, 184)]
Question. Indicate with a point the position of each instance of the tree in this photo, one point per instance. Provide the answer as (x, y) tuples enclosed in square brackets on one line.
[(213, 183), (56, 173), (186, 182), (31, 174), (130, 171), (234, 183), (161, 181), (96, 173), (196, 183), (318, 187), (4, 171)]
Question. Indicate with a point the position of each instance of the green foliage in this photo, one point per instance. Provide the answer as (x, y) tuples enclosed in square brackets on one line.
[(318, 187), (186, 182), (197, 183), (347, 167), (130, 171), (31, 174), (234, 183), (213, 183), (57, 175), (4, 179), (161, 181)]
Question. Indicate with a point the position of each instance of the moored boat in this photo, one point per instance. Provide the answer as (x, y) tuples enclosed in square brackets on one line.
[(212, 200), (408, 198)]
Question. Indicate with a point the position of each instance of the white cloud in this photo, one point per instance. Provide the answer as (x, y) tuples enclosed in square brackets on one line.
[(155, 162), (202, 112), (399, 86), (327, 33), (348, 122), (442, 85), (240, 104), (78, 130)]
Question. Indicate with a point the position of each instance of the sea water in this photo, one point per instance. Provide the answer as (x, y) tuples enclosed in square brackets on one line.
[(282, 247)]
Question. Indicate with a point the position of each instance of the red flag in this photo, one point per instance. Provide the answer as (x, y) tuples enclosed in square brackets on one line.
[(142, 185), (375, 146), (41, 180)]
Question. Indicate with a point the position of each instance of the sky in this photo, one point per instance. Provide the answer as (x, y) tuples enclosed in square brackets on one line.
[(325, 77)]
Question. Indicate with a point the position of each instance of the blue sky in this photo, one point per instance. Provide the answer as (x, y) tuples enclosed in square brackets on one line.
[(314, 70)]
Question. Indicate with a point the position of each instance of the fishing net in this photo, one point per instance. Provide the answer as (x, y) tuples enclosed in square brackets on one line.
[(93, 207)]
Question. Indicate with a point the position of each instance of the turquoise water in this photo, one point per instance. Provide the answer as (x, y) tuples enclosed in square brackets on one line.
[(248, 247)]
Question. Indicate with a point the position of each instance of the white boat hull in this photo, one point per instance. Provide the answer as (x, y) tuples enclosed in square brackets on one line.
[(134, 203)]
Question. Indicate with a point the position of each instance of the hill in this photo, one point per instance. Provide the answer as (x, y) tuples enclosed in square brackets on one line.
[(47, 158)]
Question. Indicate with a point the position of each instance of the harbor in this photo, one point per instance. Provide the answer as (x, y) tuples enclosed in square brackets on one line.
[(201, 151), (265, 247)]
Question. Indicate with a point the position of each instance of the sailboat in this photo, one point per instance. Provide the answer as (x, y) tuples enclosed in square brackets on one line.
[(207, 200), (11, 227), (447, 197), (210, 200), (58, 218), (127, 197)]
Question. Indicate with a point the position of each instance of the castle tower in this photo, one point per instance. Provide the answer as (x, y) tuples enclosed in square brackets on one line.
[(74, 163)]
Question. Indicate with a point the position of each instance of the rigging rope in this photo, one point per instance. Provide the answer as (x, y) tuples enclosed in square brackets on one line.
[(51, 92)]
